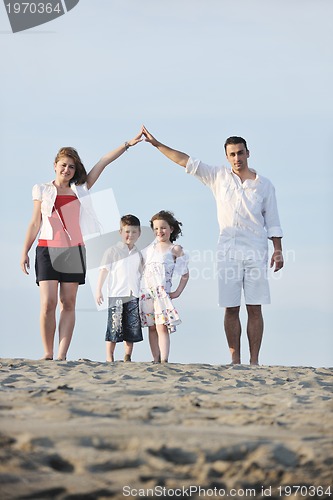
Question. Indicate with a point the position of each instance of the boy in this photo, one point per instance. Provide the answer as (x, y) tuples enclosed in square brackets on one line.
[(122, 263)]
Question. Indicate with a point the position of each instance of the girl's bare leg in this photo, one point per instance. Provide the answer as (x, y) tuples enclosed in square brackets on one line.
[(153, 342), (163, 342), (48, 303), (68, 292)]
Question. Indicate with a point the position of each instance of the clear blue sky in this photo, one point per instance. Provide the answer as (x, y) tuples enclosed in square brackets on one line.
[(194, 73)]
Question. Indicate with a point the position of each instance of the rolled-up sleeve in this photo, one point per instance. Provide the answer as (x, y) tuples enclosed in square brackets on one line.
[(271, 215), (205, 173), (192, 165)]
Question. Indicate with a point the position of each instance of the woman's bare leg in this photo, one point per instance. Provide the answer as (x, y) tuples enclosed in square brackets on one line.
[(48, 304), (68, 292)]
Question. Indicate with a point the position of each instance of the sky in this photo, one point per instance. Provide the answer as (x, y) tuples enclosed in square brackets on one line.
[(194, 73)]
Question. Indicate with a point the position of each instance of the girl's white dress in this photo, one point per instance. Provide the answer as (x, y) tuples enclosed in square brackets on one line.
[(155, 304)]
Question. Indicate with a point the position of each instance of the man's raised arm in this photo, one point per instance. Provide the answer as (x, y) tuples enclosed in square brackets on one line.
[(172, 154)]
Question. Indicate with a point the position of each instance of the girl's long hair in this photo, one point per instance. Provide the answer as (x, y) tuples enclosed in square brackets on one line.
[(171, 220)]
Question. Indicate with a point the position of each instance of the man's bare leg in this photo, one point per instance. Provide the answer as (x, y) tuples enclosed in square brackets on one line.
[(232, 327), (255, 330)]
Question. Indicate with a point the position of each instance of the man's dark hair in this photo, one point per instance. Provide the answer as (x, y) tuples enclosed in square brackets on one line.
[(235, 140)]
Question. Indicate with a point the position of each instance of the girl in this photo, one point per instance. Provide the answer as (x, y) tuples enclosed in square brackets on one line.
[(64, 213), (161, 259)]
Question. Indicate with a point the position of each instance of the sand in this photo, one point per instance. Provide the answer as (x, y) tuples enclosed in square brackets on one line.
[(90, 430)]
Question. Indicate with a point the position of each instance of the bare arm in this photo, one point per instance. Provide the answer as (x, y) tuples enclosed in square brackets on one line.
[(172, 154), (277, 257), (178, 252), (33, 230), (182, 284), (101, 279), (96, 171)]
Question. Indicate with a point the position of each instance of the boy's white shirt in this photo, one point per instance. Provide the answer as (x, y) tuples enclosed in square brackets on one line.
[(124, 268)]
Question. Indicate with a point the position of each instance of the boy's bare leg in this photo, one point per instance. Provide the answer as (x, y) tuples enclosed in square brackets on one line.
[(128, 347), (110, 347), (128, 350)]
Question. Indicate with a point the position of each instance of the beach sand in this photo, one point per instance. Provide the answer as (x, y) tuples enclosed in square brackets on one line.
[(91, 430)]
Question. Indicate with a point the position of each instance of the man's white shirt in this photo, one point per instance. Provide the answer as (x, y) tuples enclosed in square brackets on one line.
[(246, 211)]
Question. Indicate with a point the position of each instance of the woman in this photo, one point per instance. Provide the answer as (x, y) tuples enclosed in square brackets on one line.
[(63, 213)]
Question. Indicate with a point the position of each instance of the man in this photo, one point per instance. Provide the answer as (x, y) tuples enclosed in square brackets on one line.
[(248, 217)]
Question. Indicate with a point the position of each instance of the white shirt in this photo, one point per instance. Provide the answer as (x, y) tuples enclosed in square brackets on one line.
[(125, 268), (247, 212), (47, 193)]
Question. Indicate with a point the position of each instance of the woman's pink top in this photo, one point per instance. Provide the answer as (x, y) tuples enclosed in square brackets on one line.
[(65, 222)]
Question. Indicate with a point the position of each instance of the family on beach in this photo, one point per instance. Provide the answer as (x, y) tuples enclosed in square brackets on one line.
[(139, 283)]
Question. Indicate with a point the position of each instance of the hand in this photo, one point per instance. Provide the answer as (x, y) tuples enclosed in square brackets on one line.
[(149, 137), (136, 139), (277, 259), (25, 263), (174, 295), (99, 298)]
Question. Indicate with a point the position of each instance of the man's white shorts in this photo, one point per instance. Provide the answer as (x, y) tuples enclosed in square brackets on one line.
[(237, 275)]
